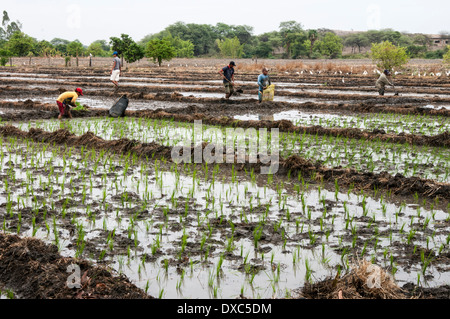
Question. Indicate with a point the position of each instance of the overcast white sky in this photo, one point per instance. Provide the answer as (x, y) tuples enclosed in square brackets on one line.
[(90, 20)]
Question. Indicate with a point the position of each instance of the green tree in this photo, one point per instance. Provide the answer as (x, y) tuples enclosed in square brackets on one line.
[(290, 31), (421, 39), (44, 49), (201, 35), (358, 40), (75, 48), (446, 57), (4, 56), (96, 49), (330, 46), (388, 56), (127, 48), (60, 45), (183, 48), (230, 48), (104, 45), (416, 51), (20, 44), (159, 50), (8, 27), (312, 38), (266, 43), (263, 49)]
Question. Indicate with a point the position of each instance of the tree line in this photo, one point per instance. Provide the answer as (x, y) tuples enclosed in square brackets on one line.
[(187, 40)]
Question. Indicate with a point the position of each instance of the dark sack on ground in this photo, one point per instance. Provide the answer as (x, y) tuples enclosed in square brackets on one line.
[(119, 108)]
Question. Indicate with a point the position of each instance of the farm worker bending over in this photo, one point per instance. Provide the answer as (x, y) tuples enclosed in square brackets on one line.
[(66, 99), (263, 82), (382, 81), (115, 70), (228, 79)]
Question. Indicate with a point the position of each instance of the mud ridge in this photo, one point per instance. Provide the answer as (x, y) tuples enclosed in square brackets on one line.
[(441, 140), (35, 270)]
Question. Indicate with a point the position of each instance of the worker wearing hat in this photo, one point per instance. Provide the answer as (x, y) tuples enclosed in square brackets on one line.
[(65, 100), (228, 78), (115, 70), (383, 81)]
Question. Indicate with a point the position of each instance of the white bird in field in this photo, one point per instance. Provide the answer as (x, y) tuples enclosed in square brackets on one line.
[(340, 72), (297, 72), (343, 81), (424, 73), (431, 74), (365, 72), (310, 72), (438, 74), (286, 72), (378, 72), (301, 72), (447, 73)]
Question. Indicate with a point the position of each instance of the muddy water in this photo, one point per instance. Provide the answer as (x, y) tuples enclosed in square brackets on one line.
[(301, 230), (425, 162), (374, 92), (105, 102), (389, 123)]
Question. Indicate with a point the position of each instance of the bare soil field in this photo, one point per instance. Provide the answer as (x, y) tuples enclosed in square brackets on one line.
[(358, 206)]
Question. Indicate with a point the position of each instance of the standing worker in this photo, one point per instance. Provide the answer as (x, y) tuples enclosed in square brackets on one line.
[(382, 81), (66, 99), (228, 79), (263, 83), (116, 70)]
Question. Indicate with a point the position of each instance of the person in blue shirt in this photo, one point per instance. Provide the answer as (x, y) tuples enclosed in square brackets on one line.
[(228, 79), (263, 83)]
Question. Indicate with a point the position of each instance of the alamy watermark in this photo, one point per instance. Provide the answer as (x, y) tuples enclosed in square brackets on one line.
[(74, 279), (237, 146), (73, 19), (373, 17), (377, 276)]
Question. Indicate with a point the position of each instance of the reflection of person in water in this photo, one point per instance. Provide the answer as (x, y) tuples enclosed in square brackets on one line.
[(263, 83)]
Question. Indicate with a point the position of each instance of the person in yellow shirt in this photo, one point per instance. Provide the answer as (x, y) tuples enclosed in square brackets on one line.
[(66, 99)]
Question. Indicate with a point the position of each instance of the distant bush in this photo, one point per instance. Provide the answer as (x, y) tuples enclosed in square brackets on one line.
[(356, 56), (446, 57), (438, 54), (388, 56)]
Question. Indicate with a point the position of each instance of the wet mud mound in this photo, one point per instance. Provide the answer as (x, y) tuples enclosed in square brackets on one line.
[(35, 270), (442, 292), (29, 110), (364, 281), (398, 184)]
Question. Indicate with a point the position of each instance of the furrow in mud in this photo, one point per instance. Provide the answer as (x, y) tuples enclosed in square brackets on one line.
[(291, 166)]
